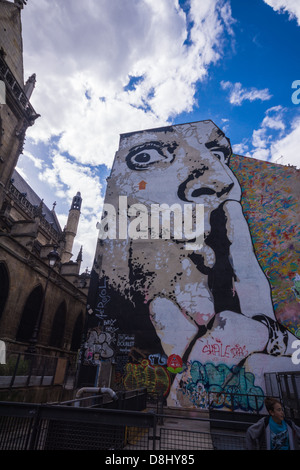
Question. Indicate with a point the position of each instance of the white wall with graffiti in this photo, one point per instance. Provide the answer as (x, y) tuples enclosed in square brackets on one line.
[(185, 311)]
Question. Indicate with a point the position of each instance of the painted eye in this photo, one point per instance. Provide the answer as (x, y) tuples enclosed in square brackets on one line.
[(142, 160), (220, 155), (142, 157), (222, 152)]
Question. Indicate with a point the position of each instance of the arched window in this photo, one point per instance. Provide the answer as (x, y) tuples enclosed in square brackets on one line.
[(30, 314), (77, 333), (58, 326), (4, 286)]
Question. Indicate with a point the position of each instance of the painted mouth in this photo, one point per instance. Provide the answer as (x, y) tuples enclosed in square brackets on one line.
[(196, 193), (202, 192)]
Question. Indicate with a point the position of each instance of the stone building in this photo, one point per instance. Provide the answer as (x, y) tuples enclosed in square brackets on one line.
[(41, 308)]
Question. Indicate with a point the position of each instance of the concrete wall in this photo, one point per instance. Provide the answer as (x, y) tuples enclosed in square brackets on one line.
[(182, 318)]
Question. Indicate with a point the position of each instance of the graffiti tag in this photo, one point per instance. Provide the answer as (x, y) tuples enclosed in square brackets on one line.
[(103, 300), (219, 350), (230, 387)]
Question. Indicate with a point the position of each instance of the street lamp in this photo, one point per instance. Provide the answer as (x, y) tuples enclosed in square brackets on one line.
[(53, 258)]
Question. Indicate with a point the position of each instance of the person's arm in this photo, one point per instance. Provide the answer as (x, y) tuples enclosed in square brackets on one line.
[(253, 435), (251, 442), (296, 430)]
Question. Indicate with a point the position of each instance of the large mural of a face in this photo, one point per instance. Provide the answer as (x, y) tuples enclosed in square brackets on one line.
[(184, 318)]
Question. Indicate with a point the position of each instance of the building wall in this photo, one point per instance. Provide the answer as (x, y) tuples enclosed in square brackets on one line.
[(17, 114), (270, 200), (186, 319), (10, 145), (25, 273), (29, 231), (11, 38)]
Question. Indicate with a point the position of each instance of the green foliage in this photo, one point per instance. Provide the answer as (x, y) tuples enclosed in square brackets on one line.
[(9, 368)]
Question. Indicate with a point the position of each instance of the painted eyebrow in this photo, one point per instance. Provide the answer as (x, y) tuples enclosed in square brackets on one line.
[(157, 145), (146, 145), (215, 145)]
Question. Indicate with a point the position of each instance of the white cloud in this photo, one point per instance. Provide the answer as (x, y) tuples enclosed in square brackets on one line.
[(66, 178), (263, 137), (261, 153), (83, 54), (238, 94), (259, 139), (97, 47), (240, 149), (286, 149), (273, 123), (274, 140), (292, 7), (274, 118), (38, 163)]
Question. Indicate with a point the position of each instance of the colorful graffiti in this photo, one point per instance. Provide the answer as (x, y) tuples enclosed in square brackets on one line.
[(271, 206), (296, 287), (221, 386), (174, 364), (154, 378)]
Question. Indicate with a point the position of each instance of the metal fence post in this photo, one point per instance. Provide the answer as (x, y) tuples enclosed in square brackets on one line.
[(154, 430), (30, 370), (35, 427), (15, 371)]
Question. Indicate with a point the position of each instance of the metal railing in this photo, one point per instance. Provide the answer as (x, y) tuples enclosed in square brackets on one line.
[(28, 370), (135, 400), (53, 427), (285, 385), (60, 427)]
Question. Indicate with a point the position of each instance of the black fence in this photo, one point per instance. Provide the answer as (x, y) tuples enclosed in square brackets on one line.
[(32, 370), (286, 385), (68, 427), (134, 400), (53, 427)]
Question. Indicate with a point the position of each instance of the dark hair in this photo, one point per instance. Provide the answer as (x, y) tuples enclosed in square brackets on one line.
[(270, 402)]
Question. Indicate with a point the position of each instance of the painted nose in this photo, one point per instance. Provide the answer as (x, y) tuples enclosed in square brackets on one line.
[(197, 185)]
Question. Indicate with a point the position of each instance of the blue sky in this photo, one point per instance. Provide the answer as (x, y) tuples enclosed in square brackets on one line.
[(105, 67), (264, 54)]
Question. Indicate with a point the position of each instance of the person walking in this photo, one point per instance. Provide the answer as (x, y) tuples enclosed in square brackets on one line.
[(273, 432)]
